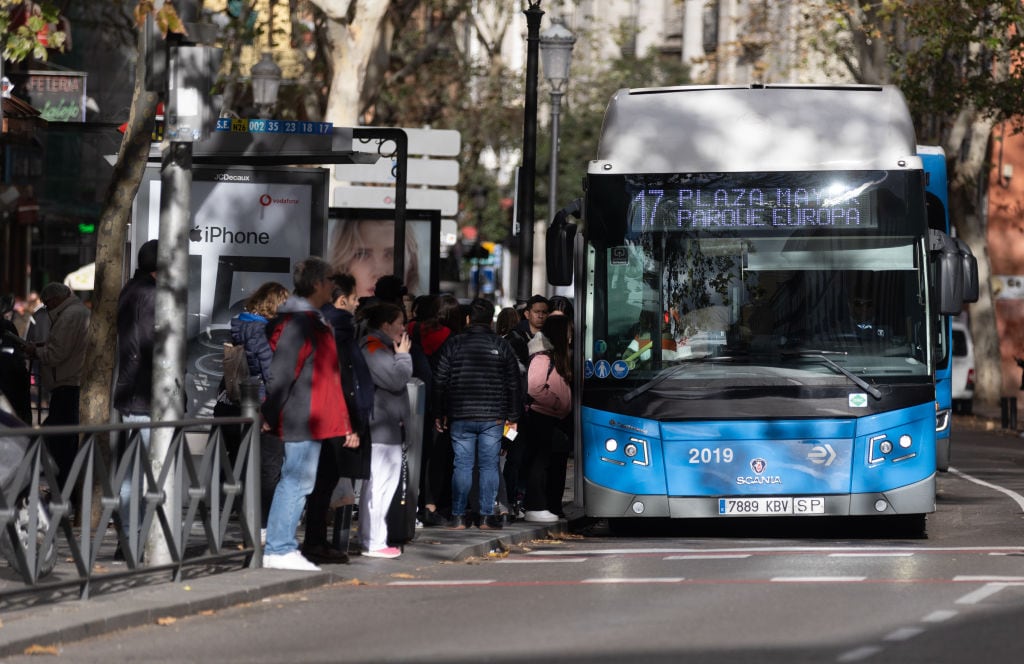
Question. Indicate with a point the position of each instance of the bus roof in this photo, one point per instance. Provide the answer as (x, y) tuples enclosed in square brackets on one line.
[(756, 128)]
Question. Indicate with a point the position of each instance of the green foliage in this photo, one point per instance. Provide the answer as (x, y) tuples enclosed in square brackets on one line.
[(945, 55), (33, 37)]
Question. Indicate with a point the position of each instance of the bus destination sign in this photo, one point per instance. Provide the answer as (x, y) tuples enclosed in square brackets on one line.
[(687, 208)]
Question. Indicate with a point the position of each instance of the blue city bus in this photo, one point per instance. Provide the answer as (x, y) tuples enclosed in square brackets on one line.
[(933, 159), (758, 295)]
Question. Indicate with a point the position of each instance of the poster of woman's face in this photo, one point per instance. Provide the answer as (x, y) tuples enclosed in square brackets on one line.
[(364, 248)]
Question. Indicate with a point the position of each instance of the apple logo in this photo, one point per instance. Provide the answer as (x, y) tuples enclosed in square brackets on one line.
[(195, 235)]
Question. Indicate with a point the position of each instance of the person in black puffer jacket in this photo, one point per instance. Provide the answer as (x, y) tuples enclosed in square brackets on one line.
[(476, 393)]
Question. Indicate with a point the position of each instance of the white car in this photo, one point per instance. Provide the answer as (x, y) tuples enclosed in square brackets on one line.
[(963, 369)]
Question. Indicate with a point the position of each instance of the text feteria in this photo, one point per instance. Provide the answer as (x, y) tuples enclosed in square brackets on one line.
[(779, 206)]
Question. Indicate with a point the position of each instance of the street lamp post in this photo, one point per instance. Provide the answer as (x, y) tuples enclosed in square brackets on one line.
[(527, 174), (556, 54), (266, 81)]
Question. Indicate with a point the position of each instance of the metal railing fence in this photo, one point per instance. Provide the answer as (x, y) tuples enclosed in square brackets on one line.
[(181, 495)]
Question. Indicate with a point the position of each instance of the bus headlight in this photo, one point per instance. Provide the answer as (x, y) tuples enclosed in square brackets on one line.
[(881, 446), (611, 445), (630, 450)]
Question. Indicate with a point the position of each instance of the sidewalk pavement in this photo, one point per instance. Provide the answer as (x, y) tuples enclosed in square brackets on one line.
[(69, 620)]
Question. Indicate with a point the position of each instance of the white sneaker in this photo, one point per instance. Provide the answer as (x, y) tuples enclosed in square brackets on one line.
[(540, 516), (389, 552), (292, 560)]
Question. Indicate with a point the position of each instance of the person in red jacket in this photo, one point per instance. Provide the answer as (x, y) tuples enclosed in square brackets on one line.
[(305, 404)]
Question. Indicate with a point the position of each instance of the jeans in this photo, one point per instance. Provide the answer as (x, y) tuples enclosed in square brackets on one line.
[(475, 441), (298, 475)]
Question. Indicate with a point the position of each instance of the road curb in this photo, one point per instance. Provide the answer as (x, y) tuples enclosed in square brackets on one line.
[(507, 539)]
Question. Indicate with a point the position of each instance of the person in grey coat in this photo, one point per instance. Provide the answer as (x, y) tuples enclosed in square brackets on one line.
[(386, 348)]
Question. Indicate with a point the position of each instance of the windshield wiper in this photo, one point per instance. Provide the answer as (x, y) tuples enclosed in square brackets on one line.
[(667, 373), (821, 355)]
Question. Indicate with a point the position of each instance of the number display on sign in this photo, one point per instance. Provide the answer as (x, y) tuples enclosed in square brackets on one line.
[(263, 126)]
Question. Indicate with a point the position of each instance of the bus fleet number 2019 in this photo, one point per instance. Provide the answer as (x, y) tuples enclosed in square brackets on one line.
[(710, 455)]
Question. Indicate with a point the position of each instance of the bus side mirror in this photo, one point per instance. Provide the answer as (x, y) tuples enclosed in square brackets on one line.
[(561, 237), (949, 272), (970, 268)]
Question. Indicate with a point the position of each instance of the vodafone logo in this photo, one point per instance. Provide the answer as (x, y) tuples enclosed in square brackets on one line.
[(267, 200)]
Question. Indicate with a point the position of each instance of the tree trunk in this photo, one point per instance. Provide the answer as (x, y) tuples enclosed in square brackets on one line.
[(355, 32), (973, 130), (100, 355)]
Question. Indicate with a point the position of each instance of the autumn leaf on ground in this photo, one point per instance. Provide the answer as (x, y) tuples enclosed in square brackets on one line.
[(402, 575), (35, 649), (351, 582), (166, 620)]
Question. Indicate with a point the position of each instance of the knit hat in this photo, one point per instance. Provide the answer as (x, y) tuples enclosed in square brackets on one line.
[(147, 256)]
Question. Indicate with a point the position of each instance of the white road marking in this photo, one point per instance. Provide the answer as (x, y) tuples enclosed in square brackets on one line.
[(709, 556), (989, 578), (858, 654), (982, 593), (817, 579), (903, 634), (873, 554), (541, 560), (607, 552), (660, 579), (1017, 498), (450, 582), (784, 549), (941, 615)]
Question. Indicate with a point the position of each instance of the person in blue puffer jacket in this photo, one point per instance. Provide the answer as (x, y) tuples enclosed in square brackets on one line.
[(249, 329)]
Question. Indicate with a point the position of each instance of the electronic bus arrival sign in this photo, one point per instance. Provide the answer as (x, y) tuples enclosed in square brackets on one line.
[(262, 126)]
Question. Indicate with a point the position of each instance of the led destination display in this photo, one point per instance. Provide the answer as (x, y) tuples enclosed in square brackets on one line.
[(726, 205)]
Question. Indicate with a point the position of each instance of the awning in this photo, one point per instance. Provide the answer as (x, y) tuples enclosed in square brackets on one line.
[(82, 279)]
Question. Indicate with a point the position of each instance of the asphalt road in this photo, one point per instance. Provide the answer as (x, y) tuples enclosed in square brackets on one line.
[(760, 590)]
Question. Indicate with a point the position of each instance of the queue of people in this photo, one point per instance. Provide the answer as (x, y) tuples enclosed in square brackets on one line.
[(332, 366)]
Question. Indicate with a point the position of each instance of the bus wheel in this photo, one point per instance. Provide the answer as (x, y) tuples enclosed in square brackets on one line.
[(624, 527), (910, 526)]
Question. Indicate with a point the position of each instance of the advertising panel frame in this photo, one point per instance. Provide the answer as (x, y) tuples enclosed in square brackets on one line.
[(249, 225)]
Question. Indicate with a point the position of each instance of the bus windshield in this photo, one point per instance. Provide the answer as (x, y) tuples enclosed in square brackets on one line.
[(758, 279)]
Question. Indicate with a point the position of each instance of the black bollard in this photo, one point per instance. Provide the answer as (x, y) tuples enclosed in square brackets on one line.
[(1008, 412)]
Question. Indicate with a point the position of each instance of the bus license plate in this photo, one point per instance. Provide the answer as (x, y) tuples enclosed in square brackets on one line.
[(774, 506)]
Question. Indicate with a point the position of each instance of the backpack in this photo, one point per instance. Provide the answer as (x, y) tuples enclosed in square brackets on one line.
[(547, 377), (236, 370)]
